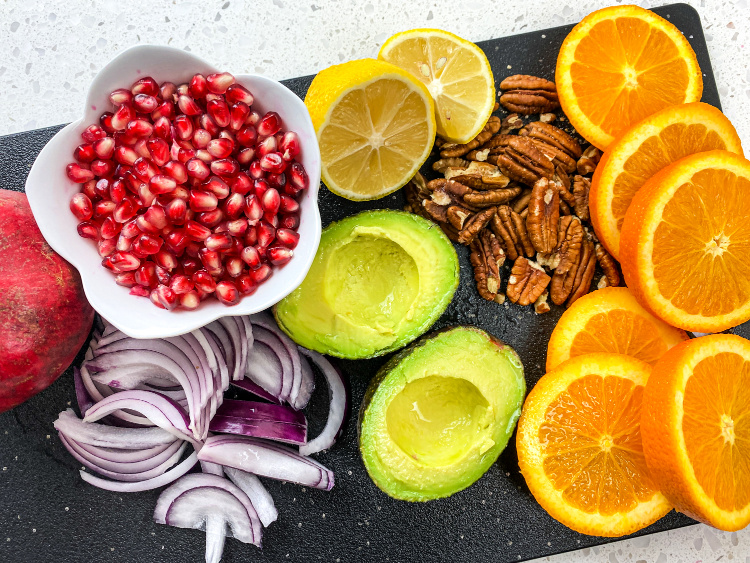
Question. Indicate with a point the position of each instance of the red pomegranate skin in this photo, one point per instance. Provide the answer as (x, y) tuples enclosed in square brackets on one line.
[(44, 315)]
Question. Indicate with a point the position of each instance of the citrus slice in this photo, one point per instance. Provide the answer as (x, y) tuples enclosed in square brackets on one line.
[(579, 446), (685, 242), (618, 66), (455, 71), (375, 125), (610, 320), (696, 429), (646, 148)]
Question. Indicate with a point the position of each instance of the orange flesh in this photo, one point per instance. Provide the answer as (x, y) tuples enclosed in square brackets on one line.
[(591, 444), (633, 70), (621, 332), (674, 142), (716, 427), (701, 244)]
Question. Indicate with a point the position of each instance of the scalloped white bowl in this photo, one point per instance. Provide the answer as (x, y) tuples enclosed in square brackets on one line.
[(49, 191)]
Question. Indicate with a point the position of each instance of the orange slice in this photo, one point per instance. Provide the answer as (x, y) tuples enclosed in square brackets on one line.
[(610, 320), (620, 65), (579, 446), (643, 150), (696, 429), (685, 242)]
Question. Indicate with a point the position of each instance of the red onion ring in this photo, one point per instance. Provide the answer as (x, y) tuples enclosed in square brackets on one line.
[(120, 487), (105, 436)]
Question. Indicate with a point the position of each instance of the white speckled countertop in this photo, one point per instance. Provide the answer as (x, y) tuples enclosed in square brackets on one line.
[(49, 52)]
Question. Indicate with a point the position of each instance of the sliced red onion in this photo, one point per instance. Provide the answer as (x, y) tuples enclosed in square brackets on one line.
[(253, 410), (256, 492), (267, 321), (126, 461), (255, 389), (264, 368), (118, 486), (269, 339), (285, 432), (221, 364), (338, 407), (83, 398), (244, 348), (130, 376), (235, 350), (105, 436), (212, 468), (266, 460), (108, 329), (160, 410), (307, 385), (110, 338)]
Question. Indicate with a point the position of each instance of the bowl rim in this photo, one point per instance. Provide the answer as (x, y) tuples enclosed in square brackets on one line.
[(175, 322)]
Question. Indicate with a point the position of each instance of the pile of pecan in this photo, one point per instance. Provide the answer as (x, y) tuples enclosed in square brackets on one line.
[(519, 191)]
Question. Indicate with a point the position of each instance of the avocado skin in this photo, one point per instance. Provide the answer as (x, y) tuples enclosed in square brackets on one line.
[(385, 370), (428, 320)]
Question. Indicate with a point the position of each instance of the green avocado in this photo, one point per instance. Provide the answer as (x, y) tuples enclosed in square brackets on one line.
[(438, 414), (379, 280)]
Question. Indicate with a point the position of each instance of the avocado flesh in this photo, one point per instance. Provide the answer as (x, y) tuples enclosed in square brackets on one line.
[(379, 280), (439, 414)]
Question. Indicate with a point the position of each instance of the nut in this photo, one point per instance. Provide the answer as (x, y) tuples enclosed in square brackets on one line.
[(522, 201), (519, 159), (559, 158), (544, 213), (540, 305), (487, 257), (570, 235), (475, 224), (510, 123), (553, 136), (445, 163), (415, 192), (510, 228), (478, 175), (527, 282), (528, 94), (589, 160), (584, 273), (581, 187), (547, 117), (492, 126), (608, 265), (492, 197)]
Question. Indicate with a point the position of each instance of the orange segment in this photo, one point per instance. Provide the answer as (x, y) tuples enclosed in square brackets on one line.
[(610, 320), (645, 149), (579, 446), (685, 244), (696, 429), (618, 66)]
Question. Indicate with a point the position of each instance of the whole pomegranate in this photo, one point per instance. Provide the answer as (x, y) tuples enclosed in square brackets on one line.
[(44, 315)]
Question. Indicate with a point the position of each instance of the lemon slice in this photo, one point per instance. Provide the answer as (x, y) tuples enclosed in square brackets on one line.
[(375, 126), (455, 71)]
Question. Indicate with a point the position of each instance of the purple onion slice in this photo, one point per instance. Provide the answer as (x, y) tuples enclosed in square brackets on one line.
[(256, 492), (255, 389), (120, 487), (105, 436)]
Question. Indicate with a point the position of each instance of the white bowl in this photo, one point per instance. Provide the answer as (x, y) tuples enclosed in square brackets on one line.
[(49, 191)]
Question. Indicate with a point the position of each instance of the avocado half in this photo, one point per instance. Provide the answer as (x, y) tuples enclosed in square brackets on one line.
[(379, 280), (438, 414)]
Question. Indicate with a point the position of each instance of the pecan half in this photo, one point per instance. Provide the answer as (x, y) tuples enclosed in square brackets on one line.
[(445, 203), (528, 94), (522, 201), (510, 123), (478, 175), (570, 235), (608, 265), (568, 282), (475, 224), (563, 186), (543, 217), (527, 282), (487, 257), (519, 159), (445, 163), (492, 126), (416, 192), (559, 158), (492, 197), (589, 160), (509, 227), (584, 273), (553, 136), (581, 187)]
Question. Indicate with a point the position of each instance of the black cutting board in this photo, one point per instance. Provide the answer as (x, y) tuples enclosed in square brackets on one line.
[(48, 514)]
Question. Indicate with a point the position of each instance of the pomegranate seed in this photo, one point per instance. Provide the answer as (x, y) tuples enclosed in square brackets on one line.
[(102, 168), (110, 229), (139, 128), (203, 281), (105, 120), (287, 237), (234, 205), (130, 229), (217, 186), (220, 148), (181, 284), (234, 267), (266, 234), (124, 262), (117, 190), (164, 109), (241, 184), (261, 274), (247, 136), (141, 148), (180, 193), (161, 184), (226, 167), (145, 103), (298, 176), (176, 241), (148, 244), (140, 291), (105, 247), (176, 210), (158, 151), (272, 162), (288, 204), (120, 96), (279, 255), (218, 83), (166, 260), (183, 127), (235, 249), (204, 155), (253, 118), (196, 168), (218, 242), (202, 201), (176, 170), (237, 93), (126, 279), (190, 265), (189, 300), (237, 115), (201, 138), (207, 123), (260, 187), (245, 156), (250, 256), (267, 146), (167, 90), (271, 218), (198, 86), (245, 284), (253, 209), (88, 229), (145, 226), (122, 116), (211, 260), (187, 105), (124, 211), (125, 155), (255, 171), (290, 221), (237, 227), (227, 293), (251, 235), (93, 133), (144, 169), (84, 153), (289, 145), (104, 147), (270, 124), (183, 88), (156, 216), (78, 173), (104, 207), (164, 297), (163, 128), (270, 201), (121, 138), (145, 85), (146, 275), (163, 276), (219, 111), (276, 180), (183, 155), (211, 218), (80, 205), (196, 231)]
